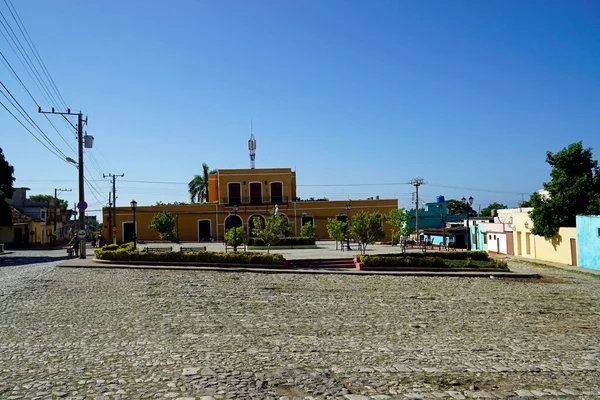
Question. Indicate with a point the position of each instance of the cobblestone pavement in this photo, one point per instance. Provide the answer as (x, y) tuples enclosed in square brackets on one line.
[(128, 334)]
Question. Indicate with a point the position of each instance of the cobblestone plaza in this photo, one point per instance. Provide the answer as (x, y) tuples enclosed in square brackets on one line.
[(127, 333)]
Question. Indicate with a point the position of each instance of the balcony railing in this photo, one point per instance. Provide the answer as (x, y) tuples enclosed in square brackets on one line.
[(254, 201)]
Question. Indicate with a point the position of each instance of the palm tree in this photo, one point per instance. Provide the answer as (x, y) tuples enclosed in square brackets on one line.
[(198, 187)]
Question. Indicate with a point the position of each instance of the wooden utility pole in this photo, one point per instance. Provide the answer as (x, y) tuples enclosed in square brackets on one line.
[(114, 205), (55, 207), (81, 204), (416, 182)]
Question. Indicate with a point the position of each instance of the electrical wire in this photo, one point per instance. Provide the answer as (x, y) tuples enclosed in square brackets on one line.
[(28, 118), (31, 70), (33, 48), (32, 134)]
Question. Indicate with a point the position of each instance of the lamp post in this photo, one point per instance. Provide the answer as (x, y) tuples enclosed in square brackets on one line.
[(468, 203), (348, 207), (235, 210), (133, 207)]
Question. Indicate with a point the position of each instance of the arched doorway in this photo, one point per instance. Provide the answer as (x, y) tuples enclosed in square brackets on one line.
[(251, 223), (233, 221)]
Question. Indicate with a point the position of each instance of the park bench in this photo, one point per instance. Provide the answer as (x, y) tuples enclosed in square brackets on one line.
[(183, 249), (158, 249)]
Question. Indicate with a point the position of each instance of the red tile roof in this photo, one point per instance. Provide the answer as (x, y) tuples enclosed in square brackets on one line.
[(18, 218)]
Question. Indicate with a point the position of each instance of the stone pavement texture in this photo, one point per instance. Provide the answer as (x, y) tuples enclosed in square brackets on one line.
[(91, 333)]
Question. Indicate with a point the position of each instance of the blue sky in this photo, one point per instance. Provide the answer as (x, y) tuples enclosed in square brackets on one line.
[(357, 97)]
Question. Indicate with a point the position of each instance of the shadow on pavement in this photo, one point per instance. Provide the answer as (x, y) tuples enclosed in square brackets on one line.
[(28, 260)]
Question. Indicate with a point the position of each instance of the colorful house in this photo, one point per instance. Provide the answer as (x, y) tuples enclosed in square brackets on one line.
[(33, 221), (561, 248), (588, 241), (235, 197), (24, 230)]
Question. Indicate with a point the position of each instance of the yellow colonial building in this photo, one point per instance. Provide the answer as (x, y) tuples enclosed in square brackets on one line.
[(235, 197)]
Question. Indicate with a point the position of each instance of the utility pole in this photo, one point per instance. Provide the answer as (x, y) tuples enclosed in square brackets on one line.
[(81, 205), (114, 205), (110, 234), (55, 206), (416, 182)]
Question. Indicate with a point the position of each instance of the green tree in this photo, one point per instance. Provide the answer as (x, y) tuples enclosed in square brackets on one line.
[(573, 190), (272, 229), (336, 230), (397, 219), (308, 230), (198, 186), (525, 203), (6, 190), (458, 207), (48, 197), (235, 236), (366, 228), (164, 224), (487, 212)]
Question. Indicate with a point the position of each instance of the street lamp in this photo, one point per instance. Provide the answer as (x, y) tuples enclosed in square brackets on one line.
[(468, 203), (235, 210), (133, 207), (348, 207)]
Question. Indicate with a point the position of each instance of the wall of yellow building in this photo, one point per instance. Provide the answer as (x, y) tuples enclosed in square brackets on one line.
[(36, 229), (213, 188), (558, 248), (526, 244), (189, 215), (262, 175)]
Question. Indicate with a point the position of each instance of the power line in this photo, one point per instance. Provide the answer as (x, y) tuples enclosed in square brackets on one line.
[(32, 134), (33, 48), (28, 118), (28, 65), (473, 189), (16, 76)]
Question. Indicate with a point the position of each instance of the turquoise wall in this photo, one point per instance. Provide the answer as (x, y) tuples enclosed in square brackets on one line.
[(588, 241), (430, 217)]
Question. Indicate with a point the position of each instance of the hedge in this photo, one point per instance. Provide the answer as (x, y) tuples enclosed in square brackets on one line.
[(124, 254), (421, 261), (477, 255), (287, 241)]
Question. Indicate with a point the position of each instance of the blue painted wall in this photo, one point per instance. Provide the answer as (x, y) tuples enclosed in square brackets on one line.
[(430, 217), (588, 241), (438, 239)]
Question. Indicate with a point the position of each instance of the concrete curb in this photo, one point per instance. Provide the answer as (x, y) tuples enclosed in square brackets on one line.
[(91, 263)]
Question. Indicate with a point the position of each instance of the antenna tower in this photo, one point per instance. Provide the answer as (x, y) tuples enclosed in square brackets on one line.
[(252, 147)]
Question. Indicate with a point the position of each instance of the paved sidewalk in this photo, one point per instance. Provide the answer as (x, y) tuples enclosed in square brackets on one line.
[(548, 264)]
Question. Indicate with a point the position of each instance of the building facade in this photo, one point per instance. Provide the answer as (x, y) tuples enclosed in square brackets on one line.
[(561, 248), (588, 241), (254, 193)]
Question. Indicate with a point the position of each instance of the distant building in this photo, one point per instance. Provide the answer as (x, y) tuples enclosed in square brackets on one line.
[(256, 192)]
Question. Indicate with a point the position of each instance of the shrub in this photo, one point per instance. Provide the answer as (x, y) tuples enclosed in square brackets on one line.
[(402, 261), (477, 255), (432, 260), (499, 263), (124, 254)]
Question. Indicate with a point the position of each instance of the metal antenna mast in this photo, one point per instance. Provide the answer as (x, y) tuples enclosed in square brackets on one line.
[(252, 147)]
